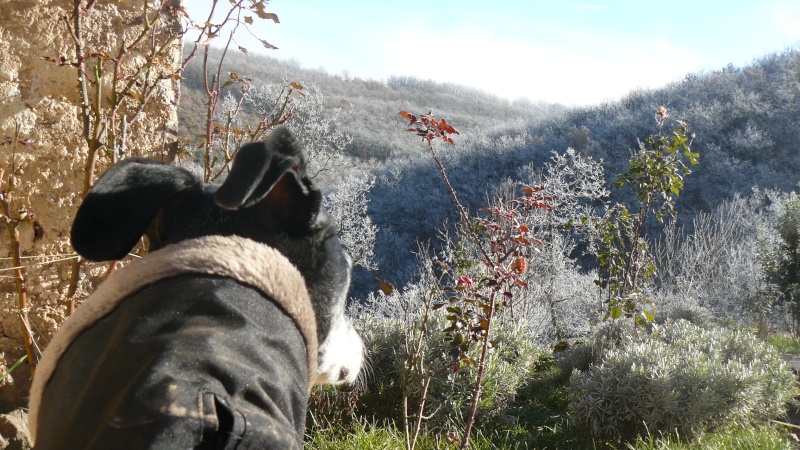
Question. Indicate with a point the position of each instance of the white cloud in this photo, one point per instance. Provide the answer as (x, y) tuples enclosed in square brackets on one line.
[(513, 52), (560, 70), (786, 17)]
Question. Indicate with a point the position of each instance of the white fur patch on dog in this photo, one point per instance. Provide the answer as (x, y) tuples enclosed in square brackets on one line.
[(341, 354), (244, 260)]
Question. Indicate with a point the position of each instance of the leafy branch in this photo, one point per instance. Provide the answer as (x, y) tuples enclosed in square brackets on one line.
[(504, 245), (656, 171)]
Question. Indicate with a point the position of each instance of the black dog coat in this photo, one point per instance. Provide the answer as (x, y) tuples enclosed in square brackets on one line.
[(207, 343)]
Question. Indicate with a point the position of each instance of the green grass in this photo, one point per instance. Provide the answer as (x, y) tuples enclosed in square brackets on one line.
[(785, 343), (370, 436), (748, 438), (537, 419), (357, 437)]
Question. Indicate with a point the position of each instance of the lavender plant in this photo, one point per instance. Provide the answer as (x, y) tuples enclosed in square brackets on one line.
[(683, 380)]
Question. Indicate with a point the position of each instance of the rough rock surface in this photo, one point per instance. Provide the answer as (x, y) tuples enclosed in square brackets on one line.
[(14, 432), (42, 98)]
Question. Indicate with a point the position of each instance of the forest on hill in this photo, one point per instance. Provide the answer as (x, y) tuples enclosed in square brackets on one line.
[(744, 119)]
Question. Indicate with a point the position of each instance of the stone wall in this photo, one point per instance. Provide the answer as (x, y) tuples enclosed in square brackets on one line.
[(43, 99)]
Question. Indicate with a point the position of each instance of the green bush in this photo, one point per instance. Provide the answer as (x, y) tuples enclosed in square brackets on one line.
[(586, 352), (681, 380), (382, 397), (785, 343)]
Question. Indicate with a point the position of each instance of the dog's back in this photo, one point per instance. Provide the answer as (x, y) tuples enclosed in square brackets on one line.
[(181, 365)]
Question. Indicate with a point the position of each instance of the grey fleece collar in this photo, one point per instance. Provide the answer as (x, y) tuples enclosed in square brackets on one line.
[(242, 259)]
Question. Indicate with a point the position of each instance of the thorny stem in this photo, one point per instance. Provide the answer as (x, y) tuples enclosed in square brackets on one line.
[(229, 126), (76, 31), (95, 123), (476, 391), (214, 86), (462, 211), (93, 140), (415, 359), (211, 107), (75, 270), (213, 89), (421, 410), (634, 256), (19, 280), (19, 275)]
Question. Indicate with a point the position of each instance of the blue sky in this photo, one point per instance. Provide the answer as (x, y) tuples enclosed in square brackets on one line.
[(571, 52)]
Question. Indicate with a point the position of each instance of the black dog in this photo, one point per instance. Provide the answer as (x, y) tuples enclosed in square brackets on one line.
[(211, 340)]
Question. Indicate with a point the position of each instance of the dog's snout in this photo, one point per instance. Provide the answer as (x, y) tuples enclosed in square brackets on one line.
[(341, 354)]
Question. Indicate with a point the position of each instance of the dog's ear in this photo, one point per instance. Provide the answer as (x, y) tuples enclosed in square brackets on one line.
[(271, 175), (122, 203), (257, 167)]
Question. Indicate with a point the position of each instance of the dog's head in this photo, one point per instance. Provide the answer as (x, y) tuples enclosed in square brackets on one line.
[(267, 197)]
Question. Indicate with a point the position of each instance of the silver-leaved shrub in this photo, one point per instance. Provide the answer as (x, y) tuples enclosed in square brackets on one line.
[(683, 380), (405, 349)]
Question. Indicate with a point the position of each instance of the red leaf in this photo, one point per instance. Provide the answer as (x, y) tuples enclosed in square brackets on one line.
[(519, 266), (408, 116), (447, 127), (386, 287)]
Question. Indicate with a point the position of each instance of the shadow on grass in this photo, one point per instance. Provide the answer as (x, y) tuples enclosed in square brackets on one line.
[(537, 418)]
